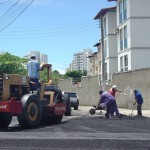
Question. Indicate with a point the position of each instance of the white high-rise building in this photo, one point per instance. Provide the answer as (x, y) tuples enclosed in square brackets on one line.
[(44, 58), (80, 60), (39, 57)]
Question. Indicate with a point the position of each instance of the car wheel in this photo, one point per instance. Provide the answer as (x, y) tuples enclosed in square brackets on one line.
[(76, 108), (68, 108), (5, 119)]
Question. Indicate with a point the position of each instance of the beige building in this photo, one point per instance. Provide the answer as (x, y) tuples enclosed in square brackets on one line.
[(95, 61), (109, 56), (93, 65)]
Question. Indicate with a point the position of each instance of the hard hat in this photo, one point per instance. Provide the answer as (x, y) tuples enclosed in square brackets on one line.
[(114, 87), (33, 56)]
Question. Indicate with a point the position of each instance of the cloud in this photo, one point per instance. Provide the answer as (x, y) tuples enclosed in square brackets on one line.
[(60, 71), (59, 67)]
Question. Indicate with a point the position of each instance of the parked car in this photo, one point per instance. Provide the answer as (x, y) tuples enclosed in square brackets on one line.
[(72, 100)]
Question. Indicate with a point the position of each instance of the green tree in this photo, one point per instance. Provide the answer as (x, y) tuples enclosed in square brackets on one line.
[(12, 64), (84, 72), (43, 75), (73, 74), (56, 76)]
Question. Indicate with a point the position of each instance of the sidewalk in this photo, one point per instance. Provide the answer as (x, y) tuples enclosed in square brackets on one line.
[(145, 113)]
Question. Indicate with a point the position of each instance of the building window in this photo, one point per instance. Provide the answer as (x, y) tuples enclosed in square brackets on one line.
[(121, 39), (99, 66), (122, 11), (105, 49), (105, 71), (121, 63), (99, 49), (104, 27), (125, 38), (126, 62), (90, 60)]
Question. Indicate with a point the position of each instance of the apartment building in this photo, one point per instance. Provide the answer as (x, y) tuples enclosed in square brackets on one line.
[(107, 17), (133, 23), (81, 61), (44, 58), (95, 59), (93, 65), (39, 57), (99, 58), (98, 63)]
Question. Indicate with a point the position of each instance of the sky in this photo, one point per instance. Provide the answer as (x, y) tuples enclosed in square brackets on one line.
[(58, 28)]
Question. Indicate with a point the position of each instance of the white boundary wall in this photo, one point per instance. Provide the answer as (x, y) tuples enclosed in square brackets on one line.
[(89, 88)]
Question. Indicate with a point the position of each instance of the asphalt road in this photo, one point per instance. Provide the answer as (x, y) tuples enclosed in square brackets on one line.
[(81, 131)]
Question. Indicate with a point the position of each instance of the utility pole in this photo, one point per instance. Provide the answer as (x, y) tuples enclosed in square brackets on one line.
[(103, 54)]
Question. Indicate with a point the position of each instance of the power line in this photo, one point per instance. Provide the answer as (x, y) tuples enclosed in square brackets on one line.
[(54, 27), (9, 9), (50, 30), (15, 17), (49, 34), (4, 2), (38, 33), (14, 12)]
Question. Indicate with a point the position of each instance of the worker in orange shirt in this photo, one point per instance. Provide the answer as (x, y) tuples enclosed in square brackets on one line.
[(113, 90)]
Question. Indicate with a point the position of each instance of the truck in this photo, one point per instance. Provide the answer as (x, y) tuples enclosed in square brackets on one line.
[(30, 107)]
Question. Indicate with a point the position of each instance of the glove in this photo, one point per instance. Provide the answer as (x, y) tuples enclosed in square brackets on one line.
[(134, 103), (103, 105)]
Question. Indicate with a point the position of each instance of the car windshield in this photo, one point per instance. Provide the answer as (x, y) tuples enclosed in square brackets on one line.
[(72, 95)]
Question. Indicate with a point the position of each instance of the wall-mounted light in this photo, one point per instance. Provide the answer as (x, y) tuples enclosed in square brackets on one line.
[(116, 30), (6, 77)]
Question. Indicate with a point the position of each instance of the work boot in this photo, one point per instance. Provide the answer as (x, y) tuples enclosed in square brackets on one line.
[(119, 116), (106, 115)]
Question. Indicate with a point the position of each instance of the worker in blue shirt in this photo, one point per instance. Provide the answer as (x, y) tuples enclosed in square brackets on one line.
[(139, 101), (34, 67)]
